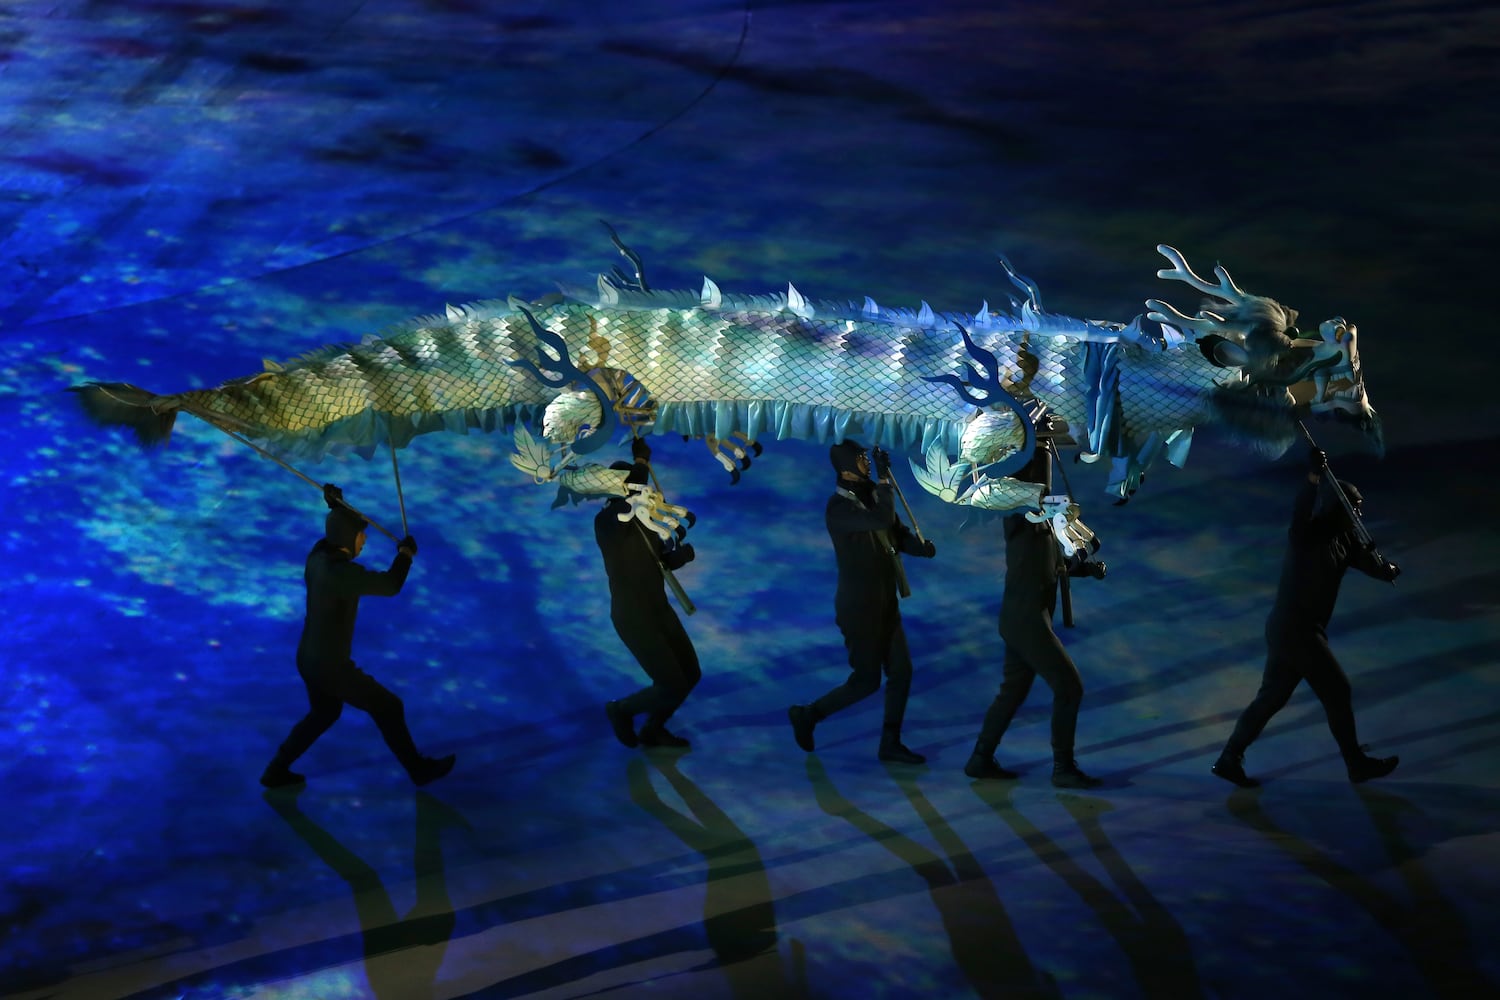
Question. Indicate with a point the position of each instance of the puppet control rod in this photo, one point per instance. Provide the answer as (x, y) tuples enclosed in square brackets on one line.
[(308, 479), (671, 578), (1360, 531), (883, 461)]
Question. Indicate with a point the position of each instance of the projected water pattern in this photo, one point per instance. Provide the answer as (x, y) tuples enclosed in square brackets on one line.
[(191, 188)]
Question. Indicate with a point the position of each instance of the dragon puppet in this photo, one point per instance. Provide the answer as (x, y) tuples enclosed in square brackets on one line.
[(965, 392)]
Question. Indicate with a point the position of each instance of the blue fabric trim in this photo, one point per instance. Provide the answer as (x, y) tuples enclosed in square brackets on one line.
[(1101, 378)]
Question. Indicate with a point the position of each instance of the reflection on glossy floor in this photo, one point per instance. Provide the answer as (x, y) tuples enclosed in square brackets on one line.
[(190, 188)]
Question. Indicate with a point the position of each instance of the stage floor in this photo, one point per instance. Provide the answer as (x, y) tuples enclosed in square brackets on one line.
[(188, 189)]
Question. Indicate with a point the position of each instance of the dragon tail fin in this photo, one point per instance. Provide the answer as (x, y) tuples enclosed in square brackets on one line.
[(119, 404)]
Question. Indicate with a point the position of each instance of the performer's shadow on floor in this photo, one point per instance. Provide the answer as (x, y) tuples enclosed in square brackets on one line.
[(985, 945), (739, 912), (1427, 924), (1158, 949), (402, 953)]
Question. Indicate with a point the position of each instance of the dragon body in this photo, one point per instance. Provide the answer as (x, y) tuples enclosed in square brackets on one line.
[(962, 390)]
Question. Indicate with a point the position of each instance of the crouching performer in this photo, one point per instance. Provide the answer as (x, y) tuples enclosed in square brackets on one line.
[(335, 583)]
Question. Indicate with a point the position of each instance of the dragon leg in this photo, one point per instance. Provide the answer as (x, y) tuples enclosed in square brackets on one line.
[(728, 452)]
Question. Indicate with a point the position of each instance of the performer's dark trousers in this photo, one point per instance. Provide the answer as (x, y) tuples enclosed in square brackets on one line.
[(1295, 655), (331, 686), (662, 647), (1033, 650), (875, 647)]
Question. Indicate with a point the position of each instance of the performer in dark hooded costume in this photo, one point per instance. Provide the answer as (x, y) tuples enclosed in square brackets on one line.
[(335, 583), (1033, 561), (1323, 542), (634, 562), (868, 538)]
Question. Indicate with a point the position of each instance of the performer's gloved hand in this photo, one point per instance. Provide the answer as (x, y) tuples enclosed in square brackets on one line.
[(686, 553), (640, 450), (333, 496), (882, 463), (407, 545), (1317, 460), (1389, 571), (928, 549)]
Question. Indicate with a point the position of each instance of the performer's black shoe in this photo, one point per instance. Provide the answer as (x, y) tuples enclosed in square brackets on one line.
[(430, 769), (895, 752), (981, 767), (659, 736), (1231, 767), (1067, 774), (1365, 767), (802, 725), (278, 775), (621, 723)]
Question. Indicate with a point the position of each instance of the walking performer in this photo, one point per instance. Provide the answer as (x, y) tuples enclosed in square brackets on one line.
[(1033, 565), (868, 538), (1325, 538), (638, 564), (335, 583)]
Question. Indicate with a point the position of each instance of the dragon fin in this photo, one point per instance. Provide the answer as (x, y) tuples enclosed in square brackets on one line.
[(531, 457)]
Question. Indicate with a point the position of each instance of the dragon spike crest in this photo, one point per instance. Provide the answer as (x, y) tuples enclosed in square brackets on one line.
[(556, 370), (994, 395)]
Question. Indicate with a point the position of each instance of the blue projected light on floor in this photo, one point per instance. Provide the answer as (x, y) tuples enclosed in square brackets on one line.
[(191, 190)]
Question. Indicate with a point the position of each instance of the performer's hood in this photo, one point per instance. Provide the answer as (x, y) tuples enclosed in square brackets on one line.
[(845, 456), (341, 527)]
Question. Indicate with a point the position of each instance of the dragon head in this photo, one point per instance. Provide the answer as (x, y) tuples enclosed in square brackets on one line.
[(1285, 375), (1335, 386)]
